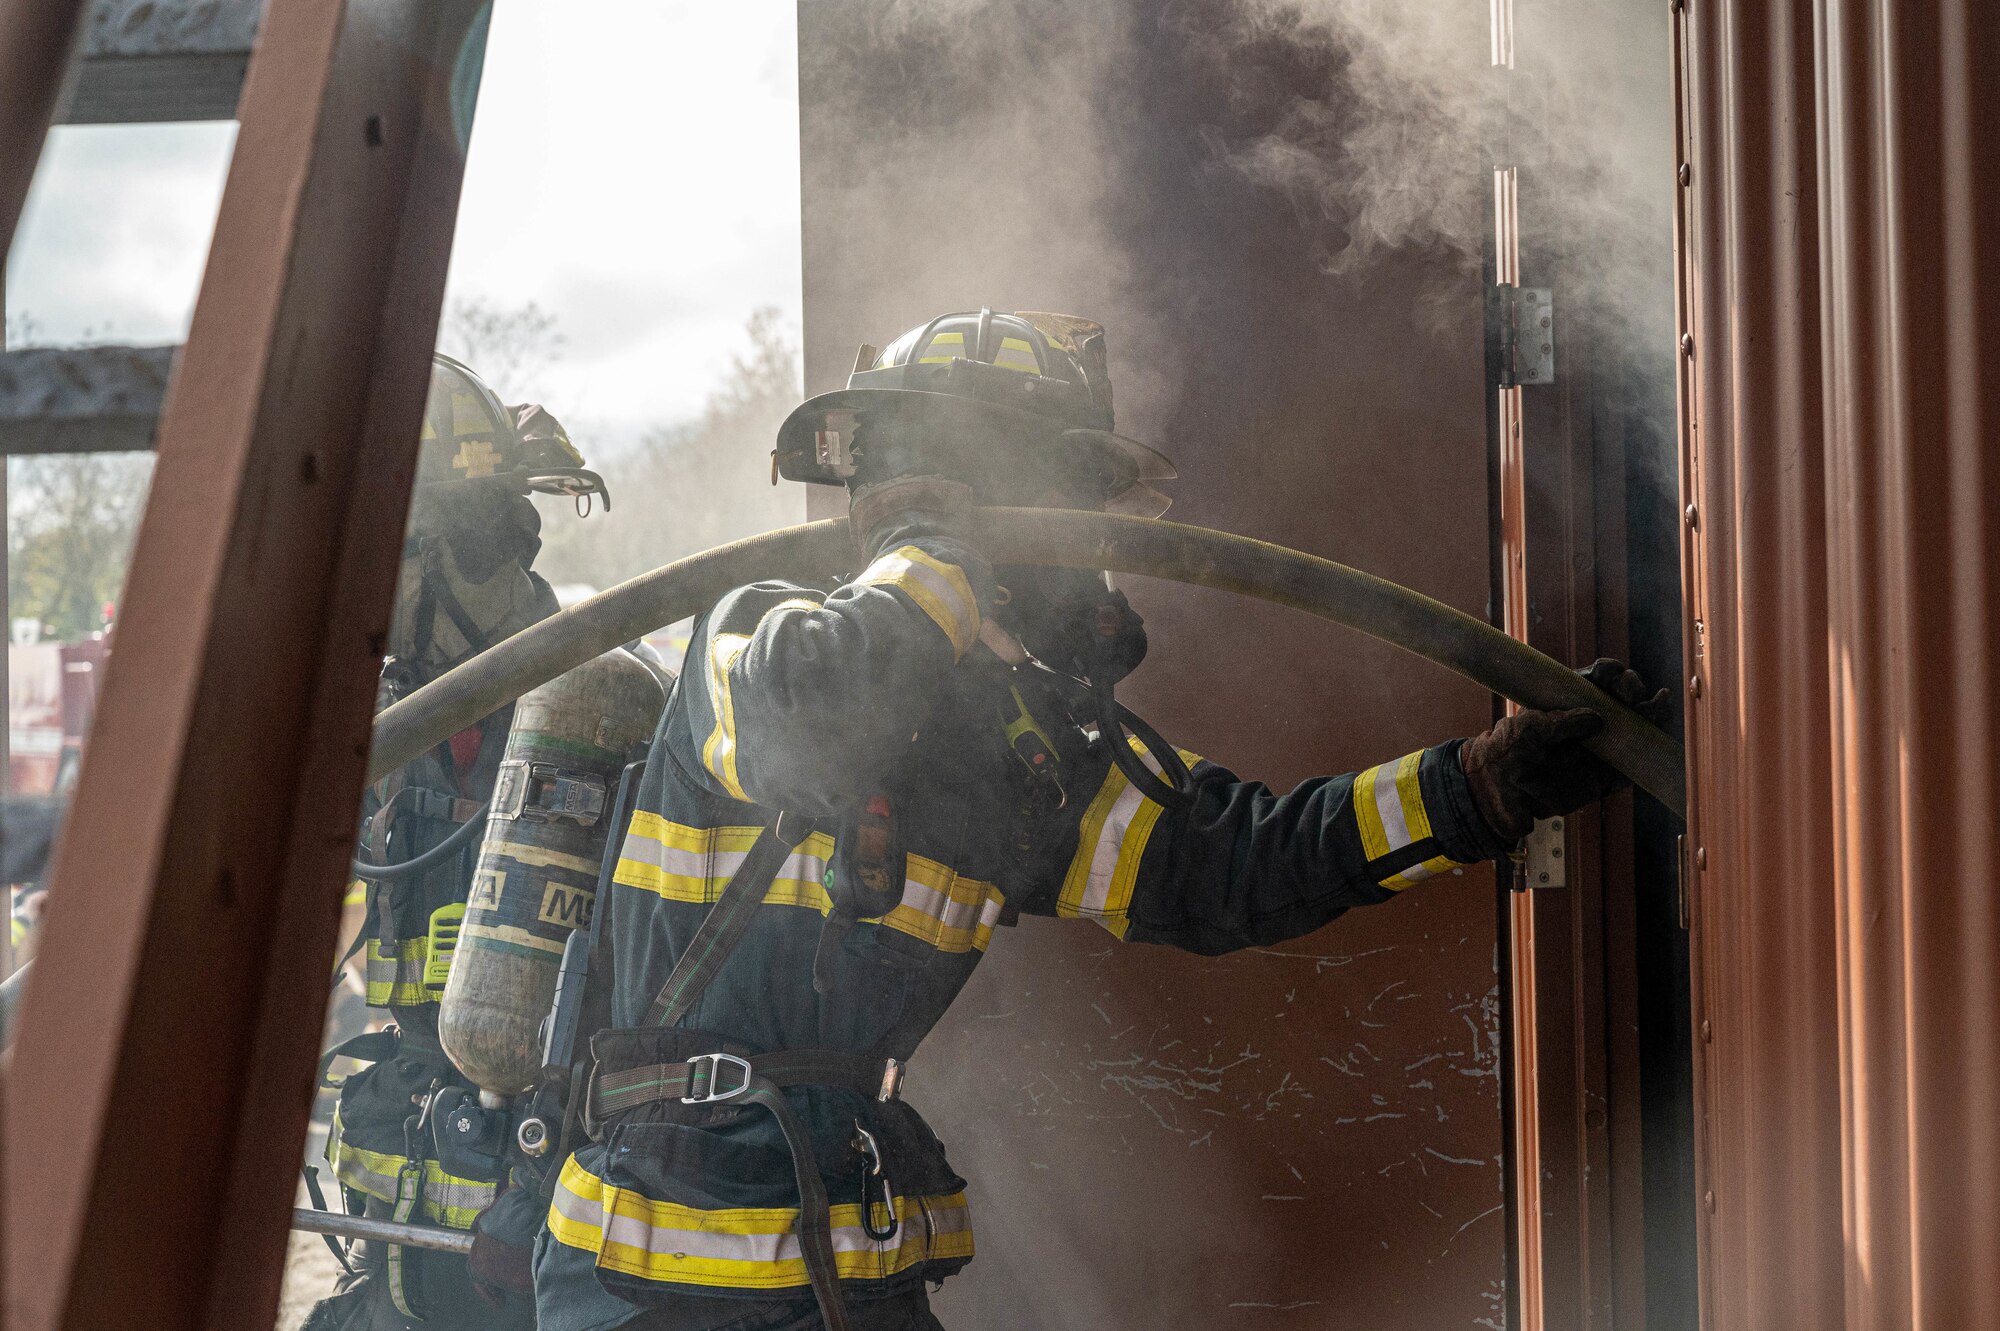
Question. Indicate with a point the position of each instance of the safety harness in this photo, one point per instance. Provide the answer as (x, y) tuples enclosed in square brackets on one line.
[(735, 1076)]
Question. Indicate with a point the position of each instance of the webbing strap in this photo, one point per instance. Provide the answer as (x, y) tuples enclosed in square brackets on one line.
[(409, 1189), (439, 586), (371, 1047), (713, 1078), (722, 928), (815, 1217)]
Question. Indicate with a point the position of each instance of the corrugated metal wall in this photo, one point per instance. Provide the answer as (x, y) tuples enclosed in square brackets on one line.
[(1307, 1136), (1839, 295)]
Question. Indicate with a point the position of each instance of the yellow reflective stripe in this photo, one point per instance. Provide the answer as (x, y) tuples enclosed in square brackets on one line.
[(954, 341), (1430, 868), (357, 894), (1014, 354), (939, 589), (742, 1247), (1410, 795), (541, 857), (1111, 844), (1389, 810), (397, 978), (693, 864), (719, 754), (951, 913), (1367, 815), (795, 603), (447, 1199)]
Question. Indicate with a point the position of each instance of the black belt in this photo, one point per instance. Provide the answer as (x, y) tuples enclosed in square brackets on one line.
[(712, 1079), (709, 1079)]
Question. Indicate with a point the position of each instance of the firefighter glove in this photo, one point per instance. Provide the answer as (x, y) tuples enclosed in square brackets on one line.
[(1533, 764), (894, 512)]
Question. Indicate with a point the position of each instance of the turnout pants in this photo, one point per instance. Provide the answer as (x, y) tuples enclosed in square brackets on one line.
[(909, 1313)]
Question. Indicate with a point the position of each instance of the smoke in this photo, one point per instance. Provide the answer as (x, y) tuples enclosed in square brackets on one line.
[(957, 94), (1378, 123), (1370, 129), (1277, 207), (1381, 123), (685, 487)]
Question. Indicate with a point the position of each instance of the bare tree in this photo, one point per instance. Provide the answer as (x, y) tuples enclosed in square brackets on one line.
[(509, 346), (71, 522), (684, 488)]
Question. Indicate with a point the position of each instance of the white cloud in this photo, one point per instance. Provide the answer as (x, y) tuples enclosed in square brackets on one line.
[(634, 171), (115, 234)]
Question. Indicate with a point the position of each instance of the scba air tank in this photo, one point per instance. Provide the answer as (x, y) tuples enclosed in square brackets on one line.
[(538, 866)]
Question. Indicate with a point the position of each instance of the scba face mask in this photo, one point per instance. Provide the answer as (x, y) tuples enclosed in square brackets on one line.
[(1073, 621), (465, 581)]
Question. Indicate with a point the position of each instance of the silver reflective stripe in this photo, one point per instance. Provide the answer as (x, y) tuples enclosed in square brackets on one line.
[(930, 902), (715, 866), (1111, 840), (695, 876), (706, 1240), (1389, 804), (462, 1195)]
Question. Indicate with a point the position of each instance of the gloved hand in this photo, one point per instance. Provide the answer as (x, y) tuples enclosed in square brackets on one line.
[(502, 1260), (1534, 764), (888, 514)]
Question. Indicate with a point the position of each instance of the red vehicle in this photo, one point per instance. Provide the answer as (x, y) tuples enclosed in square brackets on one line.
[(51, 698)]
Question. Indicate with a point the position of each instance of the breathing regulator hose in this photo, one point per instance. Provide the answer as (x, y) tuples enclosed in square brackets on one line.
[(1058, 537), (466, 833)]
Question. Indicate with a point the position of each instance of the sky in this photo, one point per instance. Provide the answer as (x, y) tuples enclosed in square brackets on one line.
[(634, 171)]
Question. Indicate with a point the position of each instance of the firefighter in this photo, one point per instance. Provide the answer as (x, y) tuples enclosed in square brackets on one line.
[(855, 784), (467, 581)]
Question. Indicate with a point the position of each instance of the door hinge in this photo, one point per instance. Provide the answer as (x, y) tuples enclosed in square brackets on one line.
[(1542, 863), (1527, 336)]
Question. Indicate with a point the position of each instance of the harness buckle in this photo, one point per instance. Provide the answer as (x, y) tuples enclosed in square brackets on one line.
[(892, 1079), (710, 1093)]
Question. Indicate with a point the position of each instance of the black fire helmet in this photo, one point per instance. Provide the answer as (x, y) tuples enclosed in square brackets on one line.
[(1016, 405)]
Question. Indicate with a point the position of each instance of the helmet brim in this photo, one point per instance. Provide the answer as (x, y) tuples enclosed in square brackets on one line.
[(801, 458)]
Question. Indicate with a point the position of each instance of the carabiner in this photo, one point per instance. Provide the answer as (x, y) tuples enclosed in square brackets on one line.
[(871, 1169)]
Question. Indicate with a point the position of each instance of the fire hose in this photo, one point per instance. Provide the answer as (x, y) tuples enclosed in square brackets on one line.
[(1064, 538), (1057, 537)]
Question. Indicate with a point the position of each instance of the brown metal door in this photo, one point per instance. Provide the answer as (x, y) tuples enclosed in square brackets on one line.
[(1307, 1135), (1580, 418)]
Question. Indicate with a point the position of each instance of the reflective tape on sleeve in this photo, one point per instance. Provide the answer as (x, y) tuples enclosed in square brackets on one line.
[(1111, 843), (940, 590), (718, 755), (1390, 815)]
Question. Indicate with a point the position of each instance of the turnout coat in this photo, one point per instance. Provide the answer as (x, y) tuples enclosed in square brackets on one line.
[(808, 700)]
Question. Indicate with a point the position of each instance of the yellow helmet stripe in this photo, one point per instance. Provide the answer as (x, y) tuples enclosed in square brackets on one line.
[(1016, 354)]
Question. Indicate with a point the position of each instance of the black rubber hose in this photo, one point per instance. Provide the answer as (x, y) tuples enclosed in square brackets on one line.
[(1173, 788), (1061, 538), (429, 859)]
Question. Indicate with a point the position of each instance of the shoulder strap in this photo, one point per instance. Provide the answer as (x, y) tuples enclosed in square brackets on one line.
[(372, 1047), (722, 928)]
